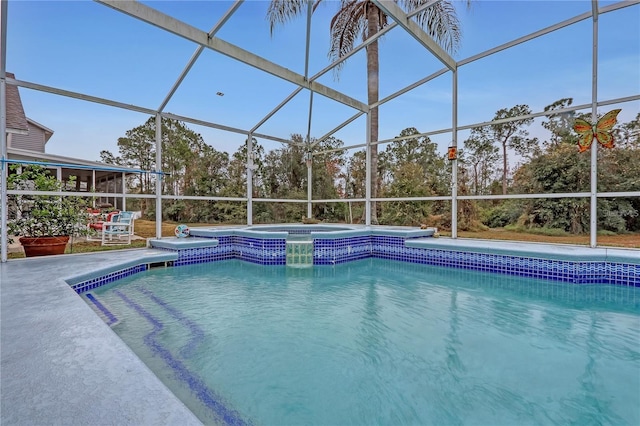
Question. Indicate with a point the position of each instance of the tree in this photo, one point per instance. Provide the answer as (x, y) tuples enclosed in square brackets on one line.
[(236, 185), (137, 150), (408, 182), (285, 170), (354, 176), (628, 134), (481, 156), (509, 135), (357, 17), (413, 168), (560, 124), (562, 169), (190, 165), (326, 172), (286, 177)]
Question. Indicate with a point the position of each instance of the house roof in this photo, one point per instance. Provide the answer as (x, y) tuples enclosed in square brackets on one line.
[(68, 162), (16, 120), (47, 131)]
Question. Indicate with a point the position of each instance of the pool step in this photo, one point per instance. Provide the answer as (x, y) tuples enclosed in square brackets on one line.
[(300, 253)]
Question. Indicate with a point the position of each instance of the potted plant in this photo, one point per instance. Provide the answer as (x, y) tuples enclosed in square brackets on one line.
[(44, 223)]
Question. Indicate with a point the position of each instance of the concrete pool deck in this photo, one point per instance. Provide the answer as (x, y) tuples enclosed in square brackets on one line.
[(60, 363)]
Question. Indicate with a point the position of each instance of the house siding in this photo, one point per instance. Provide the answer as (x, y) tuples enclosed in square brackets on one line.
[(34, 141)]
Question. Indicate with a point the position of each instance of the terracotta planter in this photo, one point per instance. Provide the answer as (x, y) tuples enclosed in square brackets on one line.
[(43, 246)]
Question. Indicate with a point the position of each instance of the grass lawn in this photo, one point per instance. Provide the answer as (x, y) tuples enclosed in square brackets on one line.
[(624, 240), (143, 228), (147, 229)]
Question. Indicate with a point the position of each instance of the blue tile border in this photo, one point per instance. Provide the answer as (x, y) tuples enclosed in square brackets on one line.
[(98, 281), (572, 264)]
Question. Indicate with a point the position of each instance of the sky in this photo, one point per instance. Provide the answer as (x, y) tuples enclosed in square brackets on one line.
[(86, 47)]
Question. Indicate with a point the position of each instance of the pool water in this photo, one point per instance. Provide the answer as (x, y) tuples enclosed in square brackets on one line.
[(383, 342)]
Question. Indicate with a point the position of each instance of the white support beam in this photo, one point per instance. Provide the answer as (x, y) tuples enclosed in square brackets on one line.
[(367, 204), (179, 28), (309, 185), (394, 11), (276, 109), (327, 69), (124, 191), (158, 176), (220, 127), (81, 96), (3, 37), (197, 53), (308, 156), (593, 216), (525, 196), (250, 168), (454, 163), (619, 5), (344, 148), (279, 200), (410, 87), (618, 194), (4, 240), (136, 108), (203, 198), (3, 168), (331, 132), (308, 141), (203, 123), (474, 125), (526, 38), (546, 113), (384, 100), (103, 101), (273, 138), (308, 41)]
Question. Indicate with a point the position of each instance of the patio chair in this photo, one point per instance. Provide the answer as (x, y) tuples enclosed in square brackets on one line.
[(134, 216), (118, 229), (95, 225)]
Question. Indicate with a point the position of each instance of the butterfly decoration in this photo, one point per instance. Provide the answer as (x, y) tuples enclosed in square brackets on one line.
[(601, 130)]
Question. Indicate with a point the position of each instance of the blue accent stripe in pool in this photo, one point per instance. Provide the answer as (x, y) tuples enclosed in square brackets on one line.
[(196, 331), (107, 313), (204, 394)]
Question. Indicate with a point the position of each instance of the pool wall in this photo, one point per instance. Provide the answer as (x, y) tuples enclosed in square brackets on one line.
[(579, 265), (268, 247)]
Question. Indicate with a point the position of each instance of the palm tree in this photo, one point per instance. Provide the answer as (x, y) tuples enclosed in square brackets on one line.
[(363, 17)]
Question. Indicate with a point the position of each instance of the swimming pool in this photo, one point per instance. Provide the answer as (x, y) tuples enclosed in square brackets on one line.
[(382, 342)]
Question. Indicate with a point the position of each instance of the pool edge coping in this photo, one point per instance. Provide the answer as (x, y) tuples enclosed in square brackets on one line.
[(49, 383)]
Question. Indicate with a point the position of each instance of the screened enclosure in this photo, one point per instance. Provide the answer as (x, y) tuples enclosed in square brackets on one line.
[(263, 118)]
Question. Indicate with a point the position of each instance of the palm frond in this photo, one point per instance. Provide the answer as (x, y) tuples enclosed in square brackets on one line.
[(282, 11), (345, 27), (440, 21)]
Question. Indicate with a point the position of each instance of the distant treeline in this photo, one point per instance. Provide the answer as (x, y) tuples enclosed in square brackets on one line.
[(409, 167)]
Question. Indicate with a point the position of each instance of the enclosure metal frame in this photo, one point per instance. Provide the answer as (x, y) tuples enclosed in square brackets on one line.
[(208, 40)]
